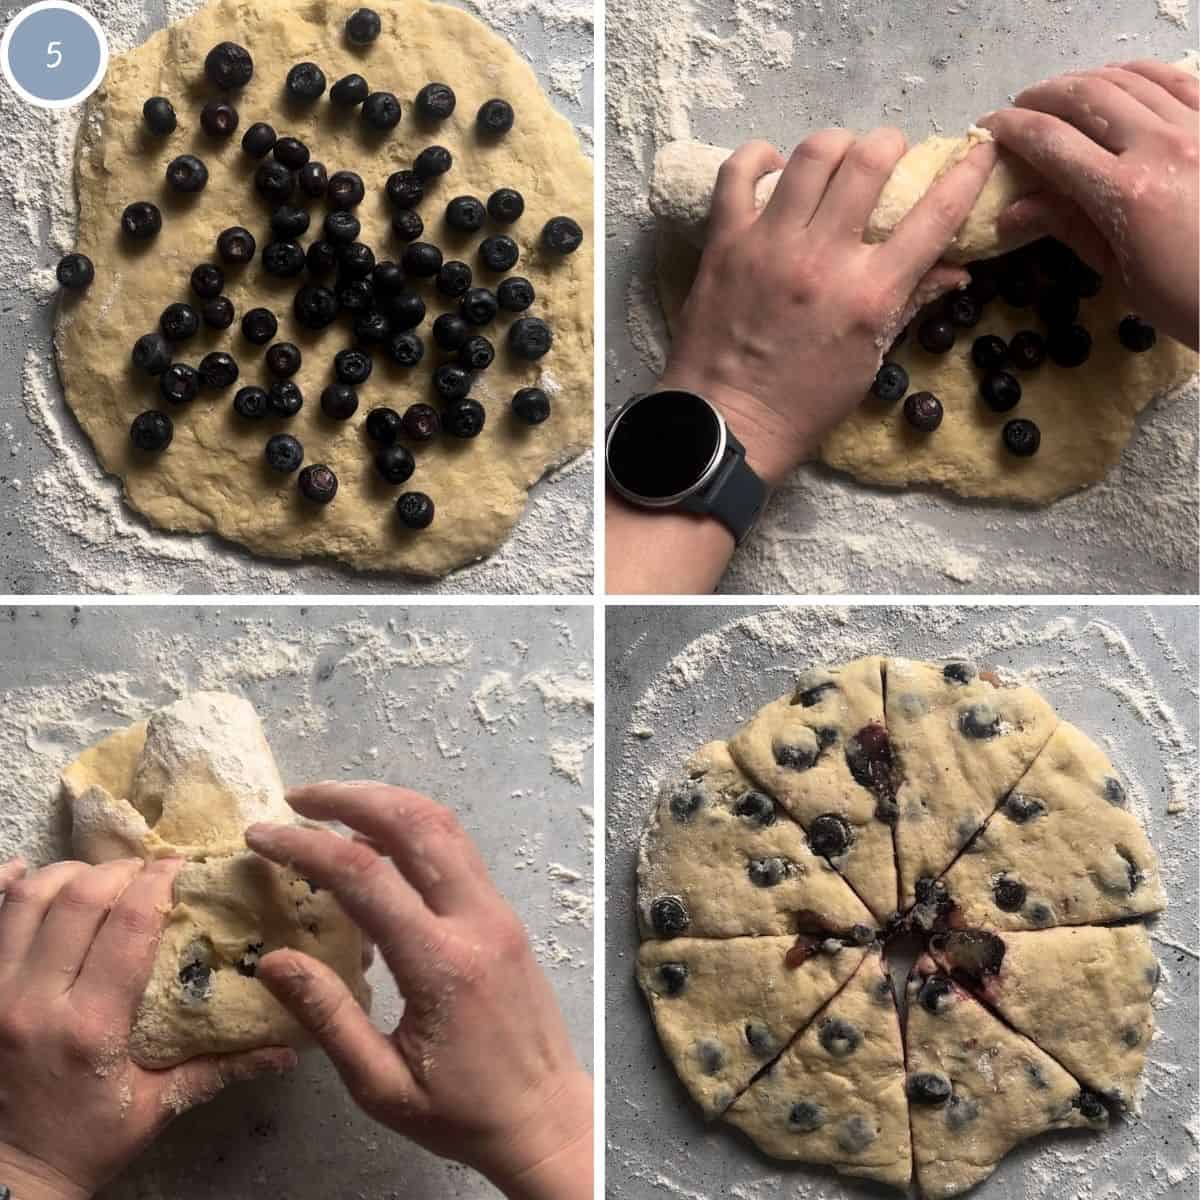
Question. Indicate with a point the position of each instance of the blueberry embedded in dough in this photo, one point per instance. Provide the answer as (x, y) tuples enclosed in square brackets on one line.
[(839, 1037), (669, 916), (805, 1117)]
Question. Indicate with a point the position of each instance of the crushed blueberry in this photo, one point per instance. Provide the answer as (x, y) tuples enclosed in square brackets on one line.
[(672, 976), (805, 1117), (830, 835), (839, 1037), (755, 807), (767, 872), (669, 916), (927, 1087)]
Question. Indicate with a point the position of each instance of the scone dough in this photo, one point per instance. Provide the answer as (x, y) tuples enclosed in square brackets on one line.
[(1002, 1088), (1065, 839), (188, 782), (212, 477), (724, 1009), (836, 1095), (713, 844)]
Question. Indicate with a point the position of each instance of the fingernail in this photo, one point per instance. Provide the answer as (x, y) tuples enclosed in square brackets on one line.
[(260, 835)]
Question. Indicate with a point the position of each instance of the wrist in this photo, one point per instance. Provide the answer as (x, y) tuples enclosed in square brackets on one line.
[(28, 1178)]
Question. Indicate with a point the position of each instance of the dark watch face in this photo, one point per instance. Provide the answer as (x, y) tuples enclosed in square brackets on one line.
[(663, 444)]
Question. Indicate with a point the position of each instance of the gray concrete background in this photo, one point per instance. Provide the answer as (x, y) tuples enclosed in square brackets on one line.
[(389, 693), (854, 66), (29, 566), (677, 677)]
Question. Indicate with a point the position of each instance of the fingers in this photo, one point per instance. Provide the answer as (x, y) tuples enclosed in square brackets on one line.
[(1046, 214), (733, 204), (1152, 95), (1183, 85), (201, 1079), (374, 894), (117, 968), (69, 928), (10, 872), (924, 234), (26, 903), (806, 177), (854, 190), (1095, 106), (423, 838)]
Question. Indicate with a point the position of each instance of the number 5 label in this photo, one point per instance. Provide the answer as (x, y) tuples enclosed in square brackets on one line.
[(54, 54)]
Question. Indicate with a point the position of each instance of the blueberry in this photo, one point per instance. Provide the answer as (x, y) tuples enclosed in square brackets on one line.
[(219, 119), (1069, 345), (959, 672), (363, 26), (856, 1134), (283, 360), (1000, 391), (187, 174), (284, 453), (1009, 894), (960, 1113), (285, 260), (342, 227), (421, 422), (218, 370), (979, 721), (387, 278), (499, 252), (407, 225), (141, 220), (179, 322), (352, 366), (451, 381), (1017, 284), (289, 222), (405, 189), (372, 328), (477, 353), (1114, 791), (346, 190), (962, 309), (1022, 809), (159, 115), (812, 696), (767, 872), (405, 311), (151, 353), (479, 306), (349, 91), (451, 332), (759, 1039), (339, 401), (829, 835), (515, 294), (151, 431), (891, 382), (805, 1117), (869, 757), (384, 426), (315, 307), (1041, 914), (531, 405), (932, 899), (926, 1087), (229, 66), (672, 977), (989, 352), (415, 510), (1022, 438), (561, 235), (1131, 1037), (1058, 305), (454, 279), (405, 349), (75, 272), (207, 281), (273, 181), (756, 808), (285, 399), (356, 295), (195, 978), (530, 338), (251, 403), (259, 140), (306, 82), (494, 118), (936, 335), (1027, 350), (923, 411), (217, 313), (422, 259), (839, 1037), (318, 483), (432, 162), (1135, 334), (796, 757), (465, 214), (1090, 1106), (435, 101), (934, 994), (236, 246), (395, 464), (313, 180), (179, 384), (710, 1055), (357, 261), (381, 111), (465, 419)]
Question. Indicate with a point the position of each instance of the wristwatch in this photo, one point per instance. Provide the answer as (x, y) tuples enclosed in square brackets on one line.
[(673, 450)]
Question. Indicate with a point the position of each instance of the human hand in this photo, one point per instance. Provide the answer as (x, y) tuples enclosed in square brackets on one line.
[(480, 1068), (791, 311), (77, 944), (1120, 149)]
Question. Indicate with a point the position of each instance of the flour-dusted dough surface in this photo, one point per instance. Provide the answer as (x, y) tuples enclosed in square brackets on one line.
[(962, 743), (1083, 994), (739, 1005), (798, 749), (1066, 837), (212, 478), (1004, 1089), (698, 847), (847, 1071), (188, 782)]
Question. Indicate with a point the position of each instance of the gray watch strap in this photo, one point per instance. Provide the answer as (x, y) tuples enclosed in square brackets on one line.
[(735, 495)]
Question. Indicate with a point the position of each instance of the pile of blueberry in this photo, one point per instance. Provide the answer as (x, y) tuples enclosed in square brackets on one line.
[(340, 276), (1047, 277)]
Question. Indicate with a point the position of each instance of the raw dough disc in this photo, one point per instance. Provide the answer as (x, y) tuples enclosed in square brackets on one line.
[(212, 477)]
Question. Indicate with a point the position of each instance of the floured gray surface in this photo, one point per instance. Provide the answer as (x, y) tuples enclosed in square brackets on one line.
[(678, 677), (63, 525), (488, 710), (779, 69)]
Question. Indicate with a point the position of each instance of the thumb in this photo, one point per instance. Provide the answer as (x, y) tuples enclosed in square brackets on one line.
[(201, 1079), (1048, 214), (936, 282)]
